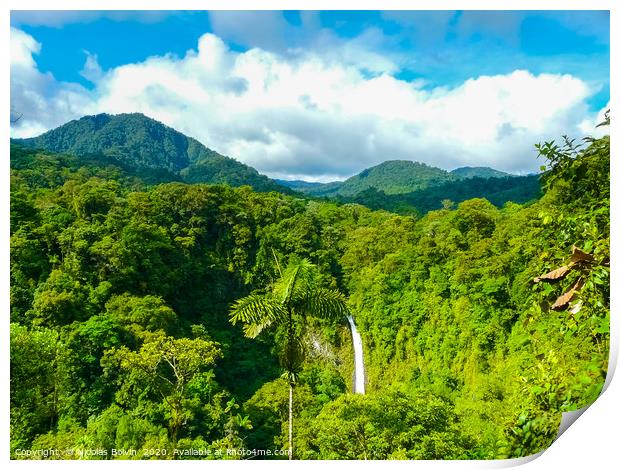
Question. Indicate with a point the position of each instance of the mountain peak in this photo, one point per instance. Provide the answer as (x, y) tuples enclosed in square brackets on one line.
[(133, 139), (139, 141), (395, 177), (478, 172)]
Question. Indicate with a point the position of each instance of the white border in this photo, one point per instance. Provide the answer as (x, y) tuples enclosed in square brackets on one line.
[(588, 443)]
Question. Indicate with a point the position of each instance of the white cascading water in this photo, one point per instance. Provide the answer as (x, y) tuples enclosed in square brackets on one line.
[(359, 384)]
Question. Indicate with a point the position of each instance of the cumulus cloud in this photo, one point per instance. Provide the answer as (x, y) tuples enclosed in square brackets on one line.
[(372, 51), (308, 116), (266, 29), (92, 70), (42, 101)]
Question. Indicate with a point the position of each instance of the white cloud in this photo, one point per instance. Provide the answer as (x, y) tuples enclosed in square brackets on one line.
[(266, 29), (92, 70), (306, 115), (590, 126), (371, 51), (42, 101), (361, 51), (23, 47)]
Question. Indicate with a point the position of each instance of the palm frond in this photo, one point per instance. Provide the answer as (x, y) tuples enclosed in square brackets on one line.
[(252, 330), (298, 291), (257, 309), (289, 284), (275, 257), (323, 303), (299, 272)]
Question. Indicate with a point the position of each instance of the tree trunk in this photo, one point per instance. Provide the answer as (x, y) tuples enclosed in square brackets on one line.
[(290, 422)]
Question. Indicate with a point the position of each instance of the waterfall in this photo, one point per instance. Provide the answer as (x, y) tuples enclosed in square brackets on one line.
[(359, 377)]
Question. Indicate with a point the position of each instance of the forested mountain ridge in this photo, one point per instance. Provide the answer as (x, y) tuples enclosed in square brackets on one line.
[(158, 153), (305, 186), (479, 171), (480, 324), (497, 190), (391, 177), (395, 177), (407, 187), (140, 142)]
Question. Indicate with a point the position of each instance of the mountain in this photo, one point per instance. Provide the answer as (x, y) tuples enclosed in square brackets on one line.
[(498, 191), (156, 153), (390, 177), (479, 172), (408, 187), (394, 177), (300, 185), (314, 189), (137, 141)]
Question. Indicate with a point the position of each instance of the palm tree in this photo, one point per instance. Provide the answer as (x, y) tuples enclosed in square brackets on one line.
[(295, 296)]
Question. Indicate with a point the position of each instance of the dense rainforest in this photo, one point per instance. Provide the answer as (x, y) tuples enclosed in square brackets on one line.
[(136, 141), (157, 153), (480, 324)]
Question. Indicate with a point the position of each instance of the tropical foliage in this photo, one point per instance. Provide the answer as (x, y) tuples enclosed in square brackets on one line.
[(480, 324)]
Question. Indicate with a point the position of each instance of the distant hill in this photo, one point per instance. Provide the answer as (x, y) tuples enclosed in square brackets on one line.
[(410, 187), (391, 177), (498, 191), (154, 152), (395, 177), (136, 141), (313, 189), (300, 185), (479, 172)]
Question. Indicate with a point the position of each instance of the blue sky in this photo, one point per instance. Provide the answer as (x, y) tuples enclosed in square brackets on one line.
[(491, 43), (436, 52)]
